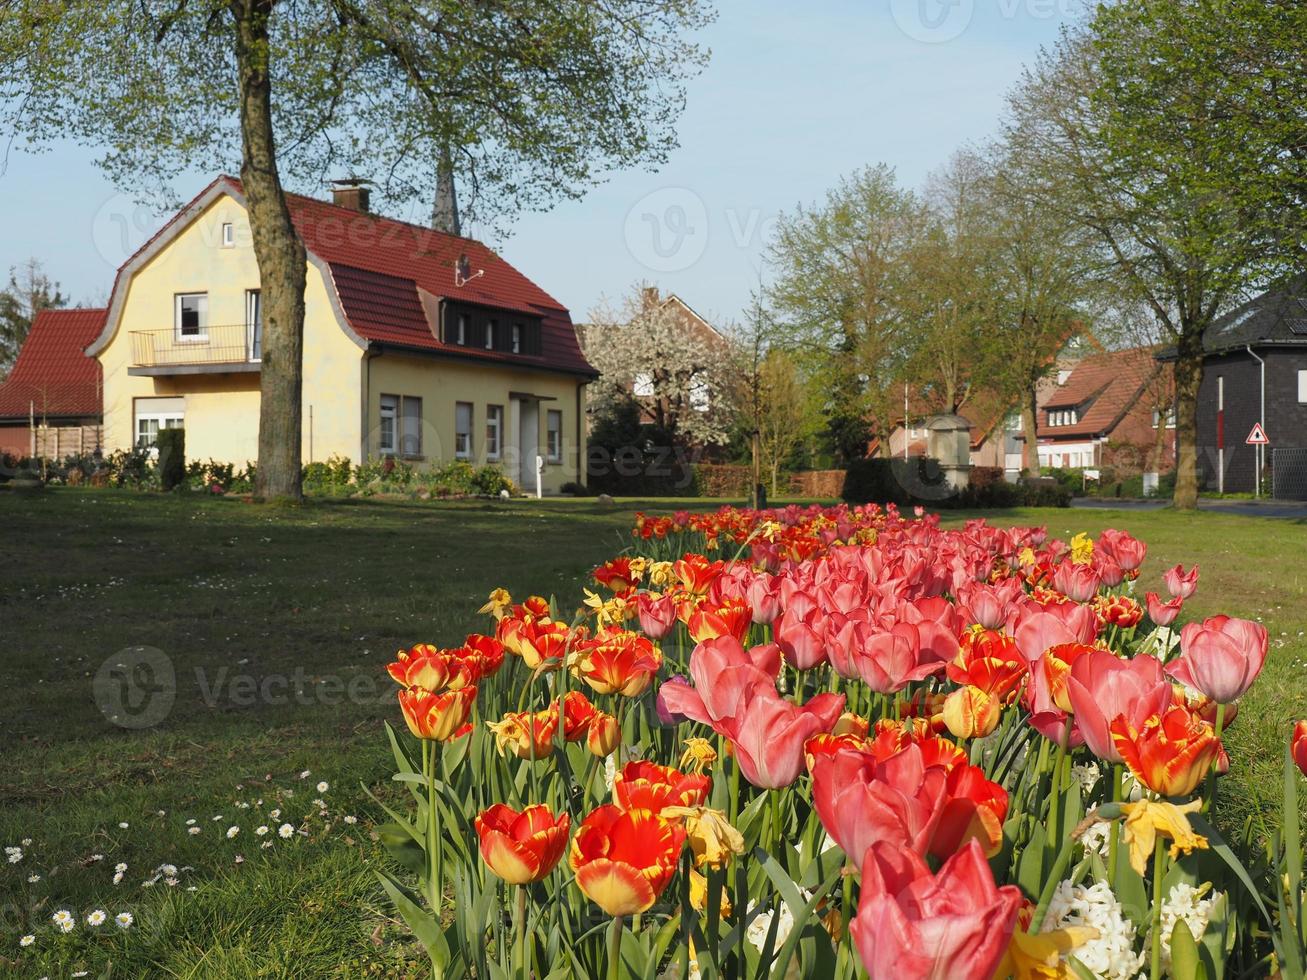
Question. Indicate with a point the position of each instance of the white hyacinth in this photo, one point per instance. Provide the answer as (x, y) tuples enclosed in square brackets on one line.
[(1112, 955), (1086, 773), (1184, 901)]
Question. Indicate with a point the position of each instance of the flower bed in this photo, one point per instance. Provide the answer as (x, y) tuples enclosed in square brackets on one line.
[(833, 743)]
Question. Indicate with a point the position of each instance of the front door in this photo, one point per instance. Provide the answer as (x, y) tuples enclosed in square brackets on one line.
[(528, 444)]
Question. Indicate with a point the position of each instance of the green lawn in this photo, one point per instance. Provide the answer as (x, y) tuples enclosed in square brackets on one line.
[(277, 623)]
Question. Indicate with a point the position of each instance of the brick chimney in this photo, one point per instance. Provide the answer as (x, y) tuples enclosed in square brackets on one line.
[(350, 193), (650, 297)]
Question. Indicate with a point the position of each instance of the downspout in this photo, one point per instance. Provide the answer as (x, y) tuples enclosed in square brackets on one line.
[(582, 477), (1261, 419), (368, 355)]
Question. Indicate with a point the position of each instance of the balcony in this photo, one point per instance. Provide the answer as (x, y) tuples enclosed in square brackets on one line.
[(215, 349)]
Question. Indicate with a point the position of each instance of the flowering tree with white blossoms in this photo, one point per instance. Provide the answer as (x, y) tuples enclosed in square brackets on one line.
[(645, 353)]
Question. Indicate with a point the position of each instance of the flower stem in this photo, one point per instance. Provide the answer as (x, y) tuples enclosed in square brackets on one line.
[(615, 949), (433, 829), (521, 933), (1159, 867), (1114, 829), (1210, 804), (1055, 790)]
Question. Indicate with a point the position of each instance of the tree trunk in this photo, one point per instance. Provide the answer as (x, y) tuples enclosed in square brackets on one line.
[(282, 263), (1188, 376), (1029, 429)]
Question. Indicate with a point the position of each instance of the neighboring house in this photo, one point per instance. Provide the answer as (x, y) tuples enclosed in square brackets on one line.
[(1266, 336), (700, 332), (1103, 413), (50, 404), (418, 345)]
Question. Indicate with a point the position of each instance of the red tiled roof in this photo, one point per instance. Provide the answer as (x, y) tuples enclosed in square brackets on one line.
[(378, 264), (1108, 383), (52, 374)]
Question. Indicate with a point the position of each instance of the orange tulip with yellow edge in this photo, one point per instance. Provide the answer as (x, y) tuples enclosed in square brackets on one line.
[(521, 847), (436, 717), (624, 859), (1171, 753)]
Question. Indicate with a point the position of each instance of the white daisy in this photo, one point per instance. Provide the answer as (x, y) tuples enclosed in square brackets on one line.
[(64, 920), (232, 832), (26, 941), (273, 815), (351, 819), (260, 831), (285, 831), (96, 918), (124, 919), (120, 866), (124, 825), (190, 822), (305, 774), (323, 787), (193, 831), (26, 842)]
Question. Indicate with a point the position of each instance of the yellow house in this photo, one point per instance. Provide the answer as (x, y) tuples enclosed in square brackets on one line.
[(418, 344)]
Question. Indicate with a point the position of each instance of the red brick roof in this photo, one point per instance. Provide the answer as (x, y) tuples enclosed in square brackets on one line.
[(378, 264), (52, 374), (1104, 387)]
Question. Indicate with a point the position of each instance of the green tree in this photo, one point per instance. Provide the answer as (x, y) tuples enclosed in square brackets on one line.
[(533, 99), (835, 295), (1123, 128), (29, 292)]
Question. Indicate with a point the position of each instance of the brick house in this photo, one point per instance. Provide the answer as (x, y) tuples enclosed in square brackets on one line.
[(1105, 412), (1262, 342)]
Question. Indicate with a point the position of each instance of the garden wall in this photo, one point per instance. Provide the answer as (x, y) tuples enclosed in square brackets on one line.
[(725, 480)]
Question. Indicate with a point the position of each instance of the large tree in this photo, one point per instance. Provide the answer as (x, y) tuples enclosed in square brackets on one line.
[(29, 292), (1123, 129), (838, 273), (529, 99)]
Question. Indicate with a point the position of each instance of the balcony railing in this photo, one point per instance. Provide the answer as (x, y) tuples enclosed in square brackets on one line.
[(212, 345)]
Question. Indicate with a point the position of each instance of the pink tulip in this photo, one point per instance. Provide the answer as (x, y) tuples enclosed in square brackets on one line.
[(1036, 632), (1180, 583), (801, 639), (737, 698), (1077, 582), (891, 659), (984, 605), (1221, 657), (1163, 613), (1128, 551), (912, 925), (764, 596), (1104, 687), (657, 614)]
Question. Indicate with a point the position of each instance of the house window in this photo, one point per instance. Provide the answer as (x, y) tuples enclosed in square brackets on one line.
[(254, 324), (494, 430), (554, 438), (699, 400), (643, 386), (228, 235), (1302, 387), (462, 430), (411, 437), (517, 338), (191, 316), (1220, 391), (153, 414), (386, 430), (492, 327), (460, 330), (1170, 417)]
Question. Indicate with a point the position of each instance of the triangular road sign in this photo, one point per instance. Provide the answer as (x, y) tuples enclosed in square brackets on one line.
[(1258, 436)]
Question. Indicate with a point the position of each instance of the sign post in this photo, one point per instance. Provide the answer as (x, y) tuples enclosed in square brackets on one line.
[(1257, 439)]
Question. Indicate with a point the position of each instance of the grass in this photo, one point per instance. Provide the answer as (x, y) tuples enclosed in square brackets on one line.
[(277, 623)]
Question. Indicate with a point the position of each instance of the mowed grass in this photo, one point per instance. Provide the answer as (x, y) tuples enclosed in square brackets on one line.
[(277, 623)]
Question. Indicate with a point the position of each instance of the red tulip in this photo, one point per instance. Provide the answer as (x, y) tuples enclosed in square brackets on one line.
[(1180, 583), (618, 662), (696, 573), (521, 847), (912, 925), (1163, 613), (422, 665), (578, 713), (991, 662), (738, 699), (623, 859), (618, 574), (643, 785), (436, 716), (733, 617), (1170, 753), (1103, 687), (1298, 745), (1118, 610), (1221, 657)]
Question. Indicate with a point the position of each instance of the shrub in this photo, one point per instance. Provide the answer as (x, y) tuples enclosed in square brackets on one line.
[(171, 444), (896, 481), (571, 487)]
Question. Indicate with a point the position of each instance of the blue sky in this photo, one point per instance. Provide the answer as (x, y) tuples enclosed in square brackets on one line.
[(797, 93)]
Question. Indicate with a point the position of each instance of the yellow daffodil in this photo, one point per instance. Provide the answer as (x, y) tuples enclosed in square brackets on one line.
[(699, 894), (1146, 819), (498, 604), (712, 838), (661, 574), (1082, 549), (1026, 556), (1041, 956), (699, 755)]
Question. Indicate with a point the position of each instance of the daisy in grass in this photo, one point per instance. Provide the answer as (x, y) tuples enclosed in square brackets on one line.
[(96, 918), (124, 920)]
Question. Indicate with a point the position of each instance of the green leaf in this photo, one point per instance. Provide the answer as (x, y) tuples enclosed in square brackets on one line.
[(802, 911), (423, 924), (1218, 845), (1185, 962)]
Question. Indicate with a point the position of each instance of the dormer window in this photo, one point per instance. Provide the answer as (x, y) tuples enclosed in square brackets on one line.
[(1068, 416), (517, 338), (460, 330), (492, 328)]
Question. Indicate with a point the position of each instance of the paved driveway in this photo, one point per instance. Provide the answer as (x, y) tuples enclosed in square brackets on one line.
[(1293, 509)]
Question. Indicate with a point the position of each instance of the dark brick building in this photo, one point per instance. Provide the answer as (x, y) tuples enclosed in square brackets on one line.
[(1272, 327)]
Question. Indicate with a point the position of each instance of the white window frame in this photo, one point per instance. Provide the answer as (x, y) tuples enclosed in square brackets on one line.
[(202, 313), (388, 424), (167, 418), (642, 385), (463, 436), (554, 435), (492, 328), (254, 325), (228, 235), (494, 431), (516, 338), (700, 397), (1302, 387), (460, 330)]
